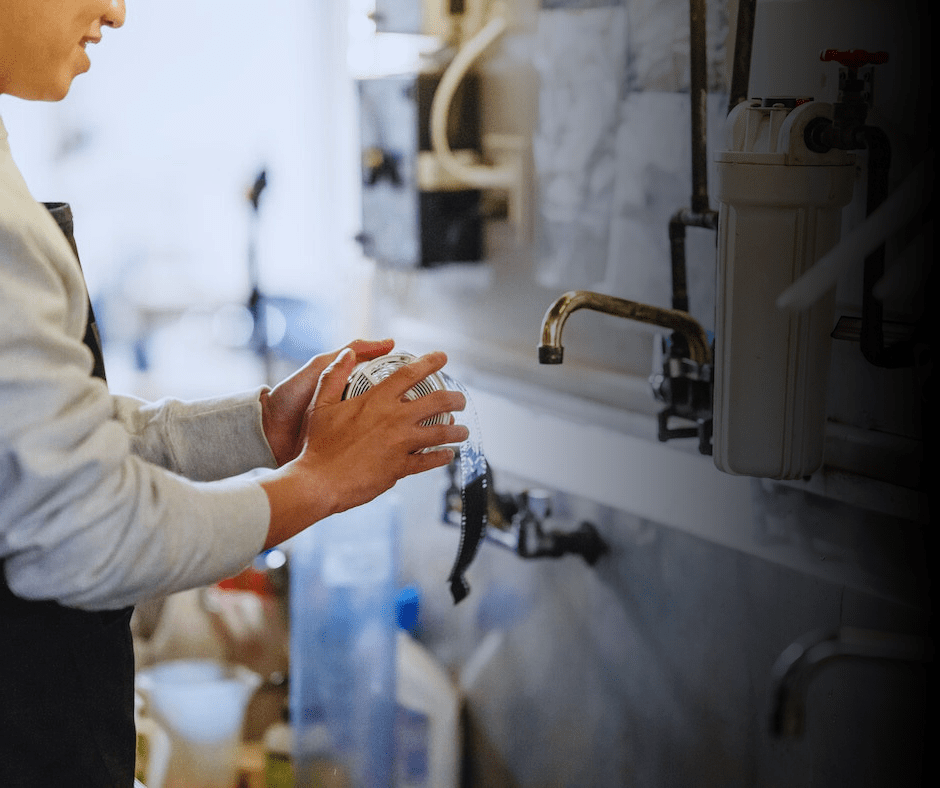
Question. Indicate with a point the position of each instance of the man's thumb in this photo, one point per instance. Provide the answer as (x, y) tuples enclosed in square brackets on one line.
[(333, 379)]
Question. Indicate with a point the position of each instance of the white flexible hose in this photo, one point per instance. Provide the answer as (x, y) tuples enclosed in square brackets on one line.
[(899, 208), (481, 176)]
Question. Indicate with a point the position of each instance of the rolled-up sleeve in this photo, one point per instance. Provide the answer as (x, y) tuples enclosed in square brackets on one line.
[(203, 440)]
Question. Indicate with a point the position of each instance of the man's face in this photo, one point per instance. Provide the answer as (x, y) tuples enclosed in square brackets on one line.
[(42, 43)]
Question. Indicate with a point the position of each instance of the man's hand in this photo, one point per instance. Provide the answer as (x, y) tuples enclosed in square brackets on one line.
[(283, 408), (353, 450)]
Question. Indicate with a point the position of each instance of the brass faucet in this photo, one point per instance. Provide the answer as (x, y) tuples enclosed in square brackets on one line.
[(552, 352)]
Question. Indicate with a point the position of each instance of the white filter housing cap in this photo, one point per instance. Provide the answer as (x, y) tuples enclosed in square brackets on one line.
[(759, 134)]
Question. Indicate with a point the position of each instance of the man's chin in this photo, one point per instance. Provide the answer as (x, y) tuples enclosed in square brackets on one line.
[(47, 92)]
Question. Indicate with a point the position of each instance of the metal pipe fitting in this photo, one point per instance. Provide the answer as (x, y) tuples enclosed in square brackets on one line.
[(803, 658)]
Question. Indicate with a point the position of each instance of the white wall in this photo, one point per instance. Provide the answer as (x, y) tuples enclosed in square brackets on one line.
[(155, 149)]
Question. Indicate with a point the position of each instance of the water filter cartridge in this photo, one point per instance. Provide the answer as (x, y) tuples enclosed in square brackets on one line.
[(780, 208)]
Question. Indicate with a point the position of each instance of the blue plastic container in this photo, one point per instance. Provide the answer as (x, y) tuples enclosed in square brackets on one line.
[(342, 645)]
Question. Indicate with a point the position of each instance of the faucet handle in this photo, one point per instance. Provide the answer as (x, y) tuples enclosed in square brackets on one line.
[(539, 503), (854, 58)]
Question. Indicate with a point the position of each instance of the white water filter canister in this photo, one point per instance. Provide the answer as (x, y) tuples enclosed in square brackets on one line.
[(780, 207)]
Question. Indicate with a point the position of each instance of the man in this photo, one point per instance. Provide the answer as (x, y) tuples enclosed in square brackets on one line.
[(106, 500)]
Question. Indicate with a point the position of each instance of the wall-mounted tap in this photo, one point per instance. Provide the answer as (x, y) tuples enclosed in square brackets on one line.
[(516, 521), (537, 542), (685, 381), (802, 659)]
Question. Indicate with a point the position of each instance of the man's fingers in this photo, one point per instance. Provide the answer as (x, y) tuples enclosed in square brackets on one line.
[(406, 376), (334, 378), (366, 350), (425, 461), (435, 435), (430, 405)]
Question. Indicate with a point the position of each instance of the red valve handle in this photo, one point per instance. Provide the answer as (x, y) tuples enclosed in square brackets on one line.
[(854, 58)]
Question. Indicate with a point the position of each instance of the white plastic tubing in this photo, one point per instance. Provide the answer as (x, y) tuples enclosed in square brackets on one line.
[(479, 175), (898, 209)]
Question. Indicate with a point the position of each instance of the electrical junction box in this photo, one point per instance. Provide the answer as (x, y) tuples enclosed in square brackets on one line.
[(413, 213)]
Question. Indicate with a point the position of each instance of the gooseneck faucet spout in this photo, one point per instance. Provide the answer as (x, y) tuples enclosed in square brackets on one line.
[(551, 350)]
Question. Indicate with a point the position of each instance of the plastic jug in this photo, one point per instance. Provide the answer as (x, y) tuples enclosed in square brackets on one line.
[(201, 704), (427, 720), (153, 747)]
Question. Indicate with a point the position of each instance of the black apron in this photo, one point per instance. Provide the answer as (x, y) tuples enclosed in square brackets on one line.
[(66, 675)]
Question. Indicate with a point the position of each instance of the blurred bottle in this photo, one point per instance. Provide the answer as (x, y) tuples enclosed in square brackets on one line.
[(342, 647)]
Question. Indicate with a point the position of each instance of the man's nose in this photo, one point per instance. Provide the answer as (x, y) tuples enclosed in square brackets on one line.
[(114, 16)]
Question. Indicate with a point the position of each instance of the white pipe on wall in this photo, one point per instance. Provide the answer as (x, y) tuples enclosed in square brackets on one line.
[(898, 209)]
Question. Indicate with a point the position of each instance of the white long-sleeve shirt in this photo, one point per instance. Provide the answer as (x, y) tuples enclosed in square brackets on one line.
[(106, 500)]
